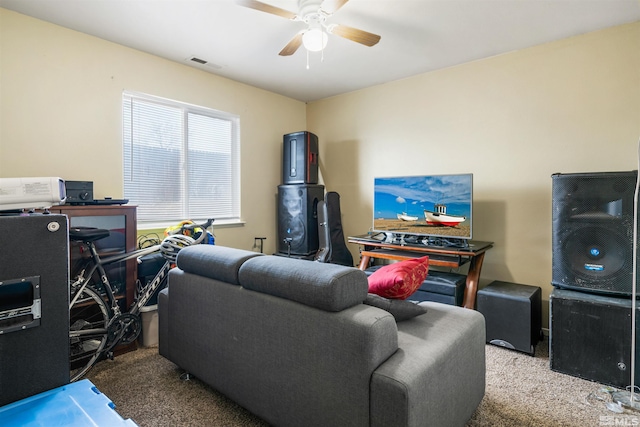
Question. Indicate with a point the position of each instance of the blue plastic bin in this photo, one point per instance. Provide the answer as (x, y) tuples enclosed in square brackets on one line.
[(78, 404)]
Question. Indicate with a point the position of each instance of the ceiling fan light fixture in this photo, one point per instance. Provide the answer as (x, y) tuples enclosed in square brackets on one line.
[(314, 39)]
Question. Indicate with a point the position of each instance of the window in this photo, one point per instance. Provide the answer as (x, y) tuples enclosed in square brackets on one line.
[(180, 161)]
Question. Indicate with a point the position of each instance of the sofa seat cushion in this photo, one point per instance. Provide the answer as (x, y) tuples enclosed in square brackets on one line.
[(329, 287), (437, 376), (215, 262)]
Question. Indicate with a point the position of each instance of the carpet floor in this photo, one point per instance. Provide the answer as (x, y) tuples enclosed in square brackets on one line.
[(521, 391)]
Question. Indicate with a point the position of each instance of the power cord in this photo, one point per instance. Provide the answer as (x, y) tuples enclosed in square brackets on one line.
[(148, 240)]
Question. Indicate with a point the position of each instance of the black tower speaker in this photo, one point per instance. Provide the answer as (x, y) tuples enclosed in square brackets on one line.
[(513, 315), (590, 337), (34, 305), (593, 232), (300, 158), (298, 218)]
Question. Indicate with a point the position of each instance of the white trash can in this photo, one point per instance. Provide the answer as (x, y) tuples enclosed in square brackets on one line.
[(149, 318)]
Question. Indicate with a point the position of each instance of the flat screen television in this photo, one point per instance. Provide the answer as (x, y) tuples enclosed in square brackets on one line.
[(427, 206)]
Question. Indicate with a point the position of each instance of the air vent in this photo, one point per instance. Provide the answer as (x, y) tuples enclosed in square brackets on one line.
[(198, 60), (204, 62)]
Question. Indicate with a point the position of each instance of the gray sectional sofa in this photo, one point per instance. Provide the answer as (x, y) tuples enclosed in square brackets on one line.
[(291, 341)]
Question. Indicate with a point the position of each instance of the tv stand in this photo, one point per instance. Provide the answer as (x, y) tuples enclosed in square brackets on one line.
[(441, 254), (413, 239)]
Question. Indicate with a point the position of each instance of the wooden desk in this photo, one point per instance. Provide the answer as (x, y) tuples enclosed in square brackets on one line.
[(441, 256)]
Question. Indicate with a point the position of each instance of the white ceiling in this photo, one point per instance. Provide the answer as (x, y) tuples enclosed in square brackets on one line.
[(243, 44)]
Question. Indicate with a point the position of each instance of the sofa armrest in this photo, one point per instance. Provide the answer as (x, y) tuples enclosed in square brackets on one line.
[(437, 376)]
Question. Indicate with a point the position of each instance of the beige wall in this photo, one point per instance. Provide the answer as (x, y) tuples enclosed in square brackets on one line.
[(511, 120), (60, 114)]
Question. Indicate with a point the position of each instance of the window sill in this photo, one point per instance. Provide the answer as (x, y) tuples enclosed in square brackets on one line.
[(222, 223)]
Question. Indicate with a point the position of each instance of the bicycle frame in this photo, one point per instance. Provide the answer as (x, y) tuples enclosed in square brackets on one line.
[(96, 263), (150, 289)]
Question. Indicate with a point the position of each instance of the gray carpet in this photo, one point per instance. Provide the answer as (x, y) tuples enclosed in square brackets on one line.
[(521, 391)]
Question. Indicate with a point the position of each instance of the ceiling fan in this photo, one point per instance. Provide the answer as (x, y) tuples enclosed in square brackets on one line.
[(314, 14)]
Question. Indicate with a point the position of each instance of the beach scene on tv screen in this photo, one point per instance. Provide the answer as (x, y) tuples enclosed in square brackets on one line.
[(434, 205)]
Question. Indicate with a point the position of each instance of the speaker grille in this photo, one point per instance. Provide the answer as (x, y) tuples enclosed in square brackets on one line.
[(298, 218), (590, 337), (34, 349), (593, 231)]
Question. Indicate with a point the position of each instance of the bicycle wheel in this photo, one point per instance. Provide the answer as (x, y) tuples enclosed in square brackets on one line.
[(89, 317)]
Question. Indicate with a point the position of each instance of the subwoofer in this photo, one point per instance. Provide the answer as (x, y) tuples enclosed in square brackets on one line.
[(513, 315), (590, 337), (300, 158), (593, 232), (34, 305), (298, 218)]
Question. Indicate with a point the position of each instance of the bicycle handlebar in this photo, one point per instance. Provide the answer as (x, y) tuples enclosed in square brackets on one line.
[(191, 227), (205, 225)]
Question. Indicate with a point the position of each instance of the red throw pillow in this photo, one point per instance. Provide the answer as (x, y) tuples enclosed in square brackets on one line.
[(399, 280)]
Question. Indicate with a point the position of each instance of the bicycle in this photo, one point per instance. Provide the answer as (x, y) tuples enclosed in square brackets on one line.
[(97, 323)]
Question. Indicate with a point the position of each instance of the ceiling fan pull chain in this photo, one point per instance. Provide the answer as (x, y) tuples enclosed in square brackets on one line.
[(307, 59)]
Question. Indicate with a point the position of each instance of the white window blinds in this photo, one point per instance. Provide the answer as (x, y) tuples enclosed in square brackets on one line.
[(180, 161)]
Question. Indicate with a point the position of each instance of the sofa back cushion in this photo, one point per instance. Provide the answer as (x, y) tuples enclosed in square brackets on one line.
[(329, 287), (215, 262)]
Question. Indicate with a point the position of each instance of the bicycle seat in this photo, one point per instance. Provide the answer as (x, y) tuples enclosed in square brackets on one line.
[(87, 234)]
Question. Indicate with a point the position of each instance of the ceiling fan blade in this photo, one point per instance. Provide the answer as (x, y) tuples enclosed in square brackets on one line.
[(359, 36), (332, 6), (264, 7), (292, 46)]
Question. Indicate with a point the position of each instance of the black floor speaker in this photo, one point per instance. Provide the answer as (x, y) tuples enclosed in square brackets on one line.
[(34, 305), (298, 218), (513, 315), (593, 232), (300, 158), (590, 337)]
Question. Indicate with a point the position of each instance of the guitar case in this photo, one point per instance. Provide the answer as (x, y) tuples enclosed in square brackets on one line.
[(339, 253), (324, 234)]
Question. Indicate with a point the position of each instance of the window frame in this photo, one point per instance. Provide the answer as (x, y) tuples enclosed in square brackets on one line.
[(234, 214)]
